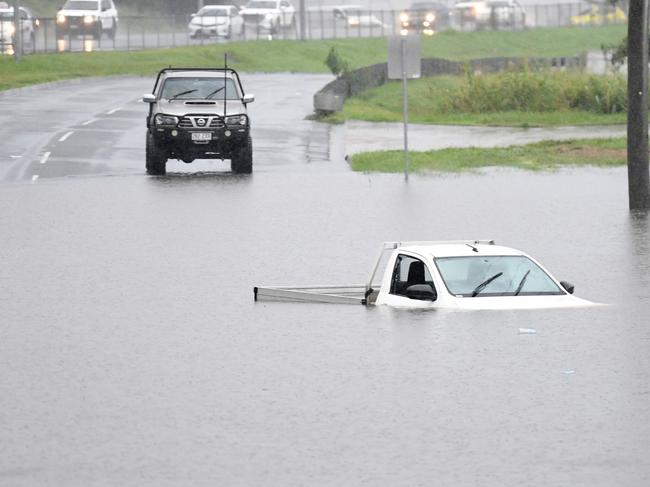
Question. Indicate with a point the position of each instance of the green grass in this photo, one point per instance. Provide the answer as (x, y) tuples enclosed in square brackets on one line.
[(539, 156), (304, 57), (512, 99)]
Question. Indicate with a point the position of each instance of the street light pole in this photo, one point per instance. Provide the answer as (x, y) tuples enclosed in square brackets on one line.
[(638, 171), (17, 42)]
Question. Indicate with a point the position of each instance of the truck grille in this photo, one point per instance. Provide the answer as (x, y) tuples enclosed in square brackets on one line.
[(200, 122)]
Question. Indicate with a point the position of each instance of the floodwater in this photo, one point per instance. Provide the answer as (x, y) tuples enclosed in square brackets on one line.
[(132, 351)]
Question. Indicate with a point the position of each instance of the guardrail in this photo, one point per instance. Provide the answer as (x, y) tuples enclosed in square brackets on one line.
[(136, 33)]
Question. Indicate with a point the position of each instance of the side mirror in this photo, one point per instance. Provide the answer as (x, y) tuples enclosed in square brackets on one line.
[(423, 292), (248, 99), (149, 98), (568, 286)]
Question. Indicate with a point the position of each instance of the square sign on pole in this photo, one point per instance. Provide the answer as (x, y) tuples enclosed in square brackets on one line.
[(412, 59), (404, 63)]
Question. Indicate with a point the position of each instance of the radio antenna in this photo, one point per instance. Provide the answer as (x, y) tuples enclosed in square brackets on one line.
[(225, 67)]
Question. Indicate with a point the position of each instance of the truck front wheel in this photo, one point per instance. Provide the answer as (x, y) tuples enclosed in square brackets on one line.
[(241, 160), (156, 161)]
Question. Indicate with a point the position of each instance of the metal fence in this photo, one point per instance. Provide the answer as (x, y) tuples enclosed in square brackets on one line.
[(136, 33)]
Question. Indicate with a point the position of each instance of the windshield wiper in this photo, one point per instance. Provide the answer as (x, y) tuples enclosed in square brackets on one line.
[(521, 283), (181, 94), (483, 285), (214, 92)]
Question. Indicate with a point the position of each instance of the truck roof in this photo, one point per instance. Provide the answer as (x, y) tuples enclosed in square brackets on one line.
[(467, 248)]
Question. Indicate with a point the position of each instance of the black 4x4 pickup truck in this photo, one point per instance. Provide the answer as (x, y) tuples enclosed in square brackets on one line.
[(198, 113)]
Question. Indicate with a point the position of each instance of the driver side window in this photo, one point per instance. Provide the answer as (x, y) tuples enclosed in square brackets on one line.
[(409, 271)]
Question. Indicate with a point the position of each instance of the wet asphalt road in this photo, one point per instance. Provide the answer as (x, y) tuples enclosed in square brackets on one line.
[(132, 352)]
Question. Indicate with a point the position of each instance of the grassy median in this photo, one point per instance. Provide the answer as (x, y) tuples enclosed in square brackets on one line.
[(303, 57), (539, 156)]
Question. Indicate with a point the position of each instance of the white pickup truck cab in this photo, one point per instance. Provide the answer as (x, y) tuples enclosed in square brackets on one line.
[(471, 275)]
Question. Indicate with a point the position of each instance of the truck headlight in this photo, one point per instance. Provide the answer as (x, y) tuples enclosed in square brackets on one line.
[(430, 17), (60, 19), (404, 17), (89, 19), (161, 119), (237, 120)]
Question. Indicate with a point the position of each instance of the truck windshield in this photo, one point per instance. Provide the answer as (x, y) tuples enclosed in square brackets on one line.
[(508, 275), (261, 4), (199, 88), (80, 5)]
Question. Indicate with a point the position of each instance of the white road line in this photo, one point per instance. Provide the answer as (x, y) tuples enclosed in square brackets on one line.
[(45, 157), (111, 112), (88, 122), (34, 177), (15, 157), (65, 137)]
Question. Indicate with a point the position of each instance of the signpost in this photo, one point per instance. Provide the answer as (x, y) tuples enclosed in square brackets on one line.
[(404, 63)]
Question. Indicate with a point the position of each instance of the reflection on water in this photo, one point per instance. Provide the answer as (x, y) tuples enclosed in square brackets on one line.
[(133, 353)]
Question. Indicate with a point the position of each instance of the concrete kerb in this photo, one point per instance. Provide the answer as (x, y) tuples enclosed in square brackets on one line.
[(333, 95)]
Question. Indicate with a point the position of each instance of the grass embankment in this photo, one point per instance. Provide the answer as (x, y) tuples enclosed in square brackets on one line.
[(538, 156), (303, 57), (517, 98)]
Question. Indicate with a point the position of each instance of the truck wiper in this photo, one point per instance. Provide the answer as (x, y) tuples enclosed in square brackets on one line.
[(521, 283), (484, 284), (214, 92), (181, 94)]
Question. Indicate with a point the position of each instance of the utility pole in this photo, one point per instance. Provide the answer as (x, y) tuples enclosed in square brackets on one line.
[(302, 20), (17, 42), (638, 171)]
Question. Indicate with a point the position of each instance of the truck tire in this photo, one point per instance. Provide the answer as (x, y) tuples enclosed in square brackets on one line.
[(241, 160), (155, 159)]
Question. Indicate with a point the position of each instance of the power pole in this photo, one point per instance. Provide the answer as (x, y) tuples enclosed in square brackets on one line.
[(638, 171)]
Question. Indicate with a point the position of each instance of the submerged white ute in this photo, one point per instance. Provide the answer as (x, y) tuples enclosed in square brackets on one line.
[(458, 274)]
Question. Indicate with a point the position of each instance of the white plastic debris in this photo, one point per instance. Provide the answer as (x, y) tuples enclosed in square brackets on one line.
[(569, 371), (527, 331)]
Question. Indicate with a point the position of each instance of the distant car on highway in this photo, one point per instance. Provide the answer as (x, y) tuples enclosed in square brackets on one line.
[(599, 15), (357, 16), (425, 17), (88, 18), (28, 26), (269, 15), (216, 20), (490, 14)]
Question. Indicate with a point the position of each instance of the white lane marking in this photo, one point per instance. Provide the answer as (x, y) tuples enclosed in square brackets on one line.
[(45, 157), (15, 157), (111, 112), (88, 122), (34, 177), (65, 137)]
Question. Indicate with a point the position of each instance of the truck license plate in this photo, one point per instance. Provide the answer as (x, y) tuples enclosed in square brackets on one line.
[(201, 136)]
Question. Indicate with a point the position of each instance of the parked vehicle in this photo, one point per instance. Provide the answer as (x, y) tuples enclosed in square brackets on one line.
[(269, 15), (198, 113), (87, 18), (464, 275), (425, 17), (357, 16), (490, 14), (216, 20), (28, 25), (599, 15)]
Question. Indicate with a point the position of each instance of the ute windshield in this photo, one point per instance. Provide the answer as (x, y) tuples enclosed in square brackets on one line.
[(508, 275), (198, 88), (80, 5)]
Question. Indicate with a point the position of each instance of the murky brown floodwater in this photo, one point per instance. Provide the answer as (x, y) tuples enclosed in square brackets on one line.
[(132, 352)]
